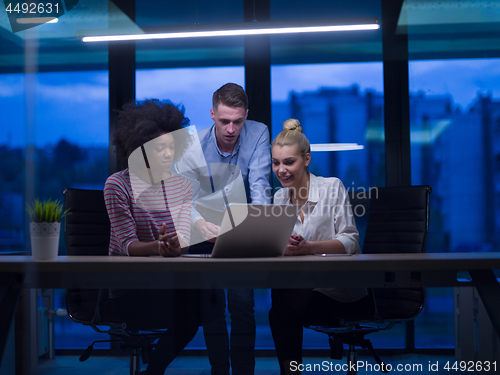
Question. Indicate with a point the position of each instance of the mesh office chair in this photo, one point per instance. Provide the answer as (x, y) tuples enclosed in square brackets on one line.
[(87, 232), (398, 222)]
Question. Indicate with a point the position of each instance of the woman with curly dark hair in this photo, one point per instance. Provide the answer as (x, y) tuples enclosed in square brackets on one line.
[(149, 209), (146, 201)]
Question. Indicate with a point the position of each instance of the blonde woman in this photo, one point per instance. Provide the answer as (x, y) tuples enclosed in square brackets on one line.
[(325, 225)]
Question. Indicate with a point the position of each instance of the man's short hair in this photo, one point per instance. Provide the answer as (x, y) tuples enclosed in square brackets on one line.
[(230, 95)]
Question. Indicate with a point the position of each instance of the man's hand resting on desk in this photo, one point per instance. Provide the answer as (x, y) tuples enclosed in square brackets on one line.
[(171, 244), (297, 245), (207, 229)]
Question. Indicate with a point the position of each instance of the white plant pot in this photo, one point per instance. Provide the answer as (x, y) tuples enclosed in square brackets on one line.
[(44, 240)]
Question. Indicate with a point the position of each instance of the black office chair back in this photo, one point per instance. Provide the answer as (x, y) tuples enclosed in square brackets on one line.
[(86, 232), (398, 222), (87, 228)]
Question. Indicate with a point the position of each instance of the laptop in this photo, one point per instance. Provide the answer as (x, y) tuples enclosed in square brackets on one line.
[(249, 231)]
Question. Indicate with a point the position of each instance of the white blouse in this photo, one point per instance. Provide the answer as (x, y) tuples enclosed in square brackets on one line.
[(327, 216)]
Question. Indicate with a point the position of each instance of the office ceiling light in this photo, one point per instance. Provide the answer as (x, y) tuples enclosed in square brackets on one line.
[(234, 29), (336, 147)]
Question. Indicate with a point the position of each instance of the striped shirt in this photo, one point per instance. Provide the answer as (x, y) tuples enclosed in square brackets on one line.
[(138, 210)]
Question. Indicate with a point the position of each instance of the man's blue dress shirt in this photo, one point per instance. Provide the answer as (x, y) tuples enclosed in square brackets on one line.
[(251, 155)]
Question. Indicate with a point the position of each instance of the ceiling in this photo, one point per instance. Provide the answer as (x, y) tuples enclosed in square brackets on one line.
[(435, 28)]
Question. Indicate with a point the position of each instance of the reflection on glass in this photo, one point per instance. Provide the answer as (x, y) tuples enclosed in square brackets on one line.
[(69, 143), (192, 87), (335, 103), (455, 143), (455, 139), (215, 185)]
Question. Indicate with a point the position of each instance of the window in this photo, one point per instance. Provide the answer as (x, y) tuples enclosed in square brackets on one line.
[(56, 136), (191, 87), (335, 103), (64, 132), (453, 108), (454, 102)]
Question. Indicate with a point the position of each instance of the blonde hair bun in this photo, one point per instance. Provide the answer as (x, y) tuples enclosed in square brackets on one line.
[(292, 136), (292, 125)]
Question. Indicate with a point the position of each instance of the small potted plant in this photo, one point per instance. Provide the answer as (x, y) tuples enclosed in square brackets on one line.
[(45, 227)]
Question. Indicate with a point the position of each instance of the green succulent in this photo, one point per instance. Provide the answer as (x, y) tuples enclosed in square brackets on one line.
[(50, 211)]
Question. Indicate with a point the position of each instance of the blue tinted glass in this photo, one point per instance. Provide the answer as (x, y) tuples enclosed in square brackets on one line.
[(61, 121), (335, 103), (55, 135), (12, 102), (153, 13), (455, 112), (191, 87), (454, 124), (314, 9)]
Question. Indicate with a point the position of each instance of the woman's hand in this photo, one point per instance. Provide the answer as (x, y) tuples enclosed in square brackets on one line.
[(297, 245), (170, 244)]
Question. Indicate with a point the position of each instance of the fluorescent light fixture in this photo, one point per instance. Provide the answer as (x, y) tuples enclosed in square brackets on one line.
[(336, 147), (234, 29), (37, 20)]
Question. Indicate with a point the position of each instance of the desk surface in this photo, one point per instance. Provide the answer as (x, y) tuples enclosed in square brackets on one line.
[(380, 270), (430, 261)]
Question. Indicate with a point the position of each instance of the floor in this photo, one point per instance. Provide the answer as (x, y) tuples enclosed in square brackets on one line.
[(409, 364)]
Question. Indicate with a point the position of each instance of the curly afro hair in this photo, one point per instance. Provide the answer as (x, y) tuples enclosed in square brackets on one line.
[(140, 123)]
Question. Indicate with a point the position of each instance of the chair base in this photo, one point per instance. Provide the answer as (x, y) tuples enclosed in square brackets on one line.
[(352, 360), (141, 345), (135, 362), (353, 336)]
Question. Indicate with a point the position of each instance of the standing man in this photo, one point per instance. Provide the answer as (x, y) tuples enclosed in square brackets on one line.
[(244, 144)]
